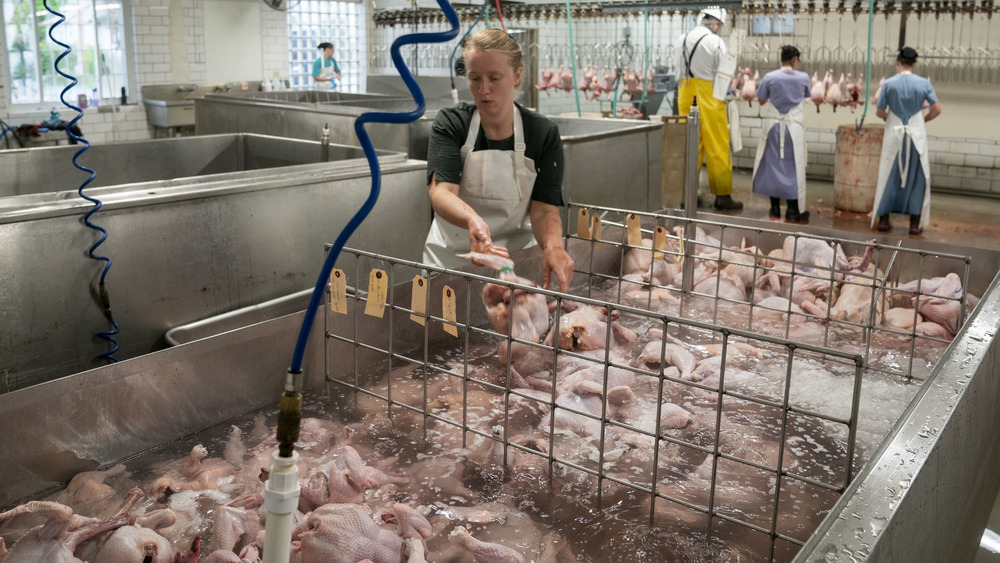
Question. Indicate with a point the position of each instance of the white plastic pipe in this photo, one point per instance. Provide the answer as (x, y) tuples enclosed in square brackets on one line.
[(281, 498)]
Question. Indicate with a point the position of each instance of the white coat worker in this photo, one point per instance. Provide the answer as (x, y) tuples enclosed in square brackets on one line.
[(904, 173), (325, 68), (495, 169), (779, 169), (697, 55)]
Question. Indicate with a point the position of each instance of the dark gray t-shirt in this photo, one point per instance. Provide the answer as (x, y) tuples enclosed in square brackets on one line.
[(542, 145)]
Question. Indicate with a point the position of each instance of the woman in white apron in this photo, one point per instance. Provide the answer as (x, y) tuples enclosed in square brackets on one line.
[(779, 169), (325, 68), (904, 172), (495, 169)]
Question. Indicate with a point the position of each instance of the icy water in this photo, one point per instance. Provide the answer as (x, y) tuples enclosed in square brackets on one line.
[(584, 480)]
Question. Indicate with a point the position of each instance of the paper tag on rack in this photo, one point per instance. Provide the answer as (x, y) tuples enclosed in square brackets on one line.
[(448, 311), (377, 286), (634, 230), (583, 224), (338, 292), (596, 231), (659, 242), (417, 304)]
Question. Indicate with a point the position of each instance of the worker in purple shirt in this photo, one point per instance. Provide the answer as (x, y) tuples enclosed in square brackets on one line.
[(904, 172), (779, 169)]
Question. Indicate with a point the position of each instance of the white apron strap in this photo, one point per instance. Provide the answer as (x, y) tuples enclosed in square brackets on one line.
[(470, 139), (518, 155)]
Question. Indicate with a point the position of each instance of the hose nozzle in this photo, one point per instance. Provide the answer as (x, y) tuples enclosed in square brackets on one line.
[(290, 414)]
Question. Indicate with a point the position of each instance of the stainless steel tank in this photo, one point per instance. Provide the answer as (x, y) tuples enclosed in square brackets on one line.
[(923, 494), (183, 246), (594, 149)]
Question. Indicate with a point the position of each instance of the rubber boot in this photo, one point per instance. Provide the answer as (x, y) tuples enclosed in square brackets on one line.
[(727, 203), (792, 215), (915, 228), (775, 212), (883, 224)]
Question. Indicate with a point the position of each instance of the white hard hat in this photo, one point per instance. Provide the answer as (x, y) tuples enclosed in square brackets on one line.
[(714, 11)]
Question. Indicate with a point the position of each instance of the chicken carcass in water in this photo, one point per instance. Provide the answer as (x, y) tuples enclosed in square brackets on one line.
[(944, 306), (585, 327), (57, 539), (343, 533), (484, 552)]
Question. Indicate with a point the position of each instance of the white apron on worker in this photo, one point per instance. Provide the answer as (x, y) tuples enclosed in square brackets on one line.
[(497, 185), (791, 122), (735, 138), (326, 71), (896, 152)]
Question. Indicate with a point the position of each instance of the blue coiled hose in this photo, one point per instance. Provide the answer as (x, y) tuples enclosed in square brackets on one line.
[(108, 335), (366, 144)]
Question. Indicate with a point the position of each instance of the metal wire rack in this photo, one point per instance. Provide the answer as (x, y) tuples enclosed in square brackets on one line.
[(759, 492)]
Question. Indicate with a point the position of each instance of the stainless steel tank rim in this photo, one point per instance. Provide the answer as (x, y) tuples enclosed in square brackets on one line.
[(167, 191), (310, 107), (882, 483), (757, 226)]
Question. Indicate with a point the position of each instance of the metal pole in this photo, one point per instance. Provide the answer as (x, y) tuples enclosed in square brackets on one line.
[(691, 170)]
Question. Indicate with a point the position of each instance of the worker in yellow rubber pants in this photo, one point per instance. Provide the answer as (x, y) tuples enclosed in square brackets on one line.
[(697, 56)]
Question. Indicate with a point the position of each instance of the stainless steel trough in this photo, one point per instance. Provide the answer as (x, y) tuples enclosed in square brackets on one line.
[(922, 494), (51, 169), (171, 106), (197, 226), (613, 162)]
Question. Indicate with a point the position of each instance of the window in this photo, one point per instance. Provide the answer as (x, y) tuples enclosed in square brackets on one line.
[(312, 22), (775, 24), (95, 32)]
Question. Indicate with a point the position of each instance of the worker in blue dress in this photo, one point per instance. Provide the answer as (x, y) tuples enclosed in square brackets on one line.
[(325, 68), (779, 169), (904, 175)]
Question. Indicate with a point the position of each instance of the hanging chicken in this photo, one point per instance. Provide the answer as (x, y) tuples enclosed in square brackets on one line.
[(545, 80), (834, 94), (749, 91), (878, 92), (585, 80), (556, 79), (565, 81), (597, 87), (609, 79), (851, 93), (818, 91)]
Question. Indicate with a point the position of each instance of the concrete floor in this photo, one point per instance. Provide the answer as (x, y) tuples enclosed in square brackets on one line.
[(955, 219)]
